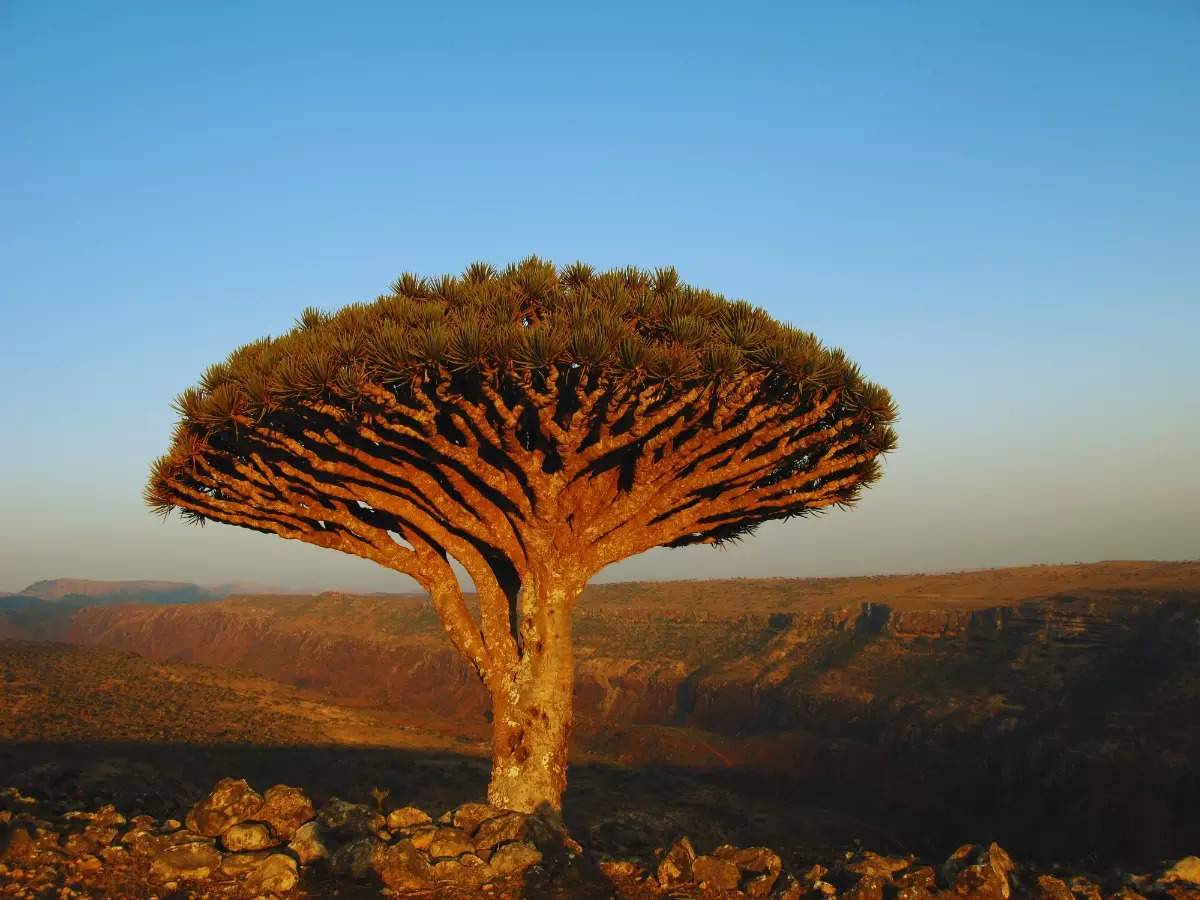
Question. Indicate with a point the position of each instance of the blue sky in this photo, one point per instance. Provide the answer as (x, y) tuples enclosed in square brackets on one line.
[(993, 207)]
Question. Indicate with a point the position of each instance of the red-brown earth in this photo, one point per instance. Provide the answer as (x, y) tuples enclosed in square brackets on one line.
[(1051, 708)]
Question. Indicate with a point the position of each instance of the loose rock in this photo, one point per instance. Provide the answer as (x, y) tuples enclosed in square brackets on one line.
[(407, 817), (676, 865), (356, 858), (403, 867), (1187, 869), (714, 873), (187, 862), (450, 842), (231, 801), (470, 816), (514, 857), (285, 809), (249, 836), (277, 874), (308, 843), (1051, 888), (349, 820), (510, 826)]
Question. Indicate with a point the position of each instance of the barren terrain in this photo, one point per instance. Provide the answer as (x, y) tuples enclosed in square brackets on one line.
[(1050, 708)]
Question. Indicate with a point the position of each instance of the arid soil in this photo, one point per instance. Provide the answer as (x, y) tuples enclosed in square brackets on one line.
[(1050, 709)]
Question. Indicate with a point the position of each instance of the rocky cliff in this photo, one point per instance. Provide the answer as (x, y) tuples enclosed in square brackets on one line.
[(1053, 706)]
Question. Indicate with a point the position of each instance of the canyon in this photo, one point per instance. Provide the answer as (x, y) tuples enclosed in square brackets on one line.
[(1051, 708)]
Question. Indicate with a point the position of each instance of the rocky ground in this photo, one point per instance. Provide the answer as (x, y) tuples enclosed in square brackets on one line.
[(238, 843)]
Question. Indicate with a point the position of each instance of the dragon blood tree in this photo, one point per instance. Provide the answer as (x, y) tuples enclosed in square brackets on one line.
[(535, 425)]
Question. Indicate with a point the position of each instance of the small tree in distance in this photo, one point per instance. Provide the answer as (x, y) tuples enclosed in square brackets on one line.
[(535, 425)]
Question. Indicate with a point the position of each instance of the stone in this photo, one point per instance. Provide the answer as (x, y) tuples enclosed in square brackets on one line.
[(467, 870), (789, 889), (869, 863), (470, 816), (977, 873), (114, 854), (230, 801), (1085, 889), (868, 887), (349, 820), (19, 847), (249, 836), (356, 858), (505, 827), (101, 834), (920, 877), (760, 885), (813, 875), (407, 817), (423, 837), (308, 843), (277, 874), (514, 857), (1051, 888), (238, 865), (450, 842), (619, 869), (140, 842), (753, 859), (192, 861), (285, 809), (675, 867), (715, 874), (402, 867), (107, 815), (80, 844), (1187, 869)]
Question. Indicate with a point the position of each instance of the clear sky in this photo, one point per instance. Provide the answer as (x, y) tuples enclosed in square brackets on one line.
[(993, 207)]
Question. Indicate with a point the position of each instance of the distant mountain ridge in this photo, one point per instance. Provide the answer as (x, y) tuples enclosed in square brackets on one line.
[(43, 609), (127, 591)]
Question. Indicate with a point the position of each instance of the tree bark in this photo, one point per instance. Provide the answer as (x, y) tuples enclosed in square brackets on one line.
[(532, 702)]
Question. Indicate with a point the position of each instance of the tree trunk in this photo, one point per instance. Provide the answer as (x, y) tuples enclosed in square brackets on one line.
[(532, 709)]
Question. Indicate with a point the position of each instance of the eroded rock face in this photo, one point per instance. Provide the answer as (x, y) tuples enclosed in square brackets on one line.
[(230, 802)]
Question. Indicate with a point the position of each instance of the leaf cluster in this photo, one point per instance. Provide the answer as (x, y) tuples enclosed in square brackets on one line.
[(520, 322)]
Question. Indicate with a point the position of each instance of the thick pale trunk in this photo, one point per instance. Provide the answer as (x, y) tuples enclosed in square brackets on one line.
[(532, 705)]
